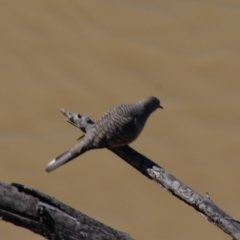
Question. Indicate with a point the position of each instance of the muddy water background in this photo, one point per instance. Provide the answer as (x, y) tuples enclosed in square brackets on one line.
[(87, 56)]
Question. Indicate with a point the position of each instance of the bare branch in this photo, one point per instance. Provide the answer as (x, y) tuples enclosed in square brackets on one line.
[(153, 171), (50, 218)]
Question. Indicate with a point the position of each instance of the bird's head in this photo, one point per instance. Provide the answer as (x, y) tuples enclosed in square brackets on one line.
[(152, 103)]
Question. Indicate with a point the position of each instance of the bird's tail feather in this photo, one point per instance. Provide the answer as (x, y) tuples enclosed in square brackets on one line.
[(59, 161), (65, 157)]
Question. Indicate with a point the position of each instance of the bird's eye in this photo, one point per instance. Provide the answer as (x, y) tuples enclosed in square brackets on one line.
[(79, 116)]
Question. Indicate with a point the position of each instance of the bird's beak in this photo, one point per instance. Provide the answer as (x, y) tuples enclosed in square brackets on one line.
[(160, 107)]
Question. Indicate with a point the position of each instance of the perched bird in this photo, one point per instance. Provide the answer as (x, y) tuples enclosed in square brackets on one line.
[(119, 126)]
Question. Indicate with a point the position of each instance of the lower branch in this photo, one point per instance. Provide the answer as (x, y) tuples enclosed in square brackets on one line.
[(46, 216)]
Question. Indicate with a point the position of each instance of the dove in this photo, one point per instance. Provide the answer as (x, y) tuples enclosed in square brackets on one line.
[(119, 126)]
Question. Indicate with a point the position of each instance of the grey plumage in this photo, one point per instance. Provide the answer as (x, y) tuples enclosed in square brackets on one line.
[(119, 126)]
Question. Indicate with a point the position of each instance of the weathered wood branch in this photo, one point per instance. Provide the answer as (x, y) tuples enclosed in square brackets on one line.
[(151, 170), (46, 216), (52, 219)]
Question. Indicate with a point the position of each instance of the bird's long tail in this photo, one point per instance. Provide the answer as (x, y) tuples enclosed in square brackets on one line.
[(65, 157)]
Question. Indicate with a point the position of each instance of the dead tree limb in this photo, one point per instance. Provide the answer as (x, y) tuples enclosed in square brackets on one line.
[(151, 170), (46, 216)]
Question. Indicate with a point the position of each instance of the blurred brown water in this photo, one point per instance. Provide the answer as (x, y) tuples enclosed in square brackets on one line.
[(87, 56)]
